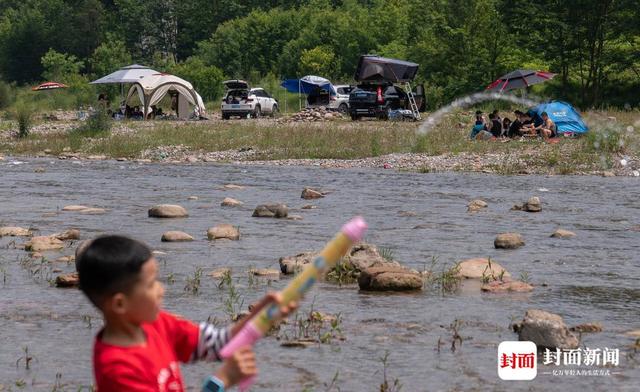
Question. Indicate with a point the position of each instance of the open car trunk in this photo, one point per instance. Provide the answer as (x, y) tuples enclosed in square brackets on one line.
[(236, 84), (319, 97)]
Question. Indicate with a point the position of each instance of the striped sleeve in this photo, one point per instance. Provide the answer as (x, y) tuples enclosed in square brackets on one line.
[(210, 342)]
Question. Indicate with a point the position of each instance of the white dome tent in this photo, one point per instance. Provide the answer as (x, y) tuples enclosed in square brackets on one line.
[(153, 88)]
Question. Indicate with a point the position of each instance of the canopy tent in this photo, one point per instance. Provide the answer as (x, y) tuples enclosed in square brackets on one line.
[(308, 84), (566, 118), (374, 68), (152, 88), (130, 74)]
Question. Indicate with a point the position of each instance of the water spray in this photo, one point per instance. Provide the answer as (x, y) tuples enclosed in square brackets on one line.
[(469, 100)]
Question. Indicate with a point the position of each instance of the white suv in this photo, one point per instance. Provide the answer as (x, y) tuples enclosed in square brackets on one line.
[(241, 101)]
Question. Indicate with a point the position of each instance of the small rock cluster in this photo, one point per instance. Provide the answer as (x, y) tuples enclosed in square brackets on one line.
[(314, 114)]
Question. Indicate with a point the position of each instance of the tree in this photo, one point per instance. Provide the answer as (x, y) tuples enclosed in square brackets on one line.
[(109, 56), (60, 66)]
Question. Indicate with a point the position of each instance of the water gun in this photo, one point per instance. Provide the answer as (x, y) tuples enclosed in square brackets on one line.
[(257, 327)]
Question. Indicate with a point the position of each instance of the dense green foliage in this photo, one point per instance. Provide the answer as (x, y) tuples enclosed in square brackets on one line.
[(461, 46)]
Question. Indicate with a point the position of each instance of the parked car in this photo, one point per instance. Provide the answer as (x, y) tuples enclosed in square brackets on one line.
[(376, 100), (321, 97), (240, 100)]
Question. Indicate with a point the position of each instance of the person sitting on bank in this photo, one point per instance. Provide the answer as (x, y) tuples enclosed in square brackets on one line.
[(496, 125), (515, 129), (506, 124), (548, 128), (528, 128)]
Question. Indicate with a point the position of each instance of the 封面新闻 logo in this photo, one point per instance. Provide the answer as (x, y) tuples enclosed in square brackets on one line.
[(517, 361)]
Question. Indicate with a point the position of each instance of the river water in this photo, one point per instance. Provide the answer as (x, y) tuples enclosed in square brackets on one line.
[(590, 278)]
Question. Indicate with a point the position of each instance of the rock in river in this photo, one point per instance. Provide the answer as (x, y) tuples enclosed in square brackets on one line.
[(476, 268), (389, 278), (508, 241), (176, 236), (224, 230), (547, 330), (271, 211), (168, 211)]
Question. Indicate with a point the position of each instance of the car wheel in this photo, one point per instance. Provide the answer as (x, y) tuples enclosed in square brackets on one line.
[(257, 112), (343, 108), (275, 111), (225, 116), (354, 117)]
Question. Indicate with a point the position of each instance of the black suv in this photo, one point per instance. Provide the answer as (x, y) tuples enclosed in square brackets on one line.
[(376, 100)]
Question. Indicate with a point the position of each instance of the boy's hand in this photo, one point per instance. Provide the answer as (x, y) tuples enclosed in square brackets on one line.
[(285, 309), (241, 365)]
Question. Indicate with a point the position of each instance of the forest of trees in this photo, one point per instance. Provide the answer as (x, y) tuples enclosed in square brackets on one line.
[(461, 45)]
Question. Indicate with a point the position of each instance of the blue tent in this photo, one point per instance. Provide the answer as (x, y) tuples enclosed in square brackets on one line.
[(566, 118), (308, 85)]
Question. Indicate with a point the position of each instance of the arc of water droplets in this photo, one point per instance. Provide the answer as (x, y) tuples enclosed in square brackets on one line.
[(469, 100)]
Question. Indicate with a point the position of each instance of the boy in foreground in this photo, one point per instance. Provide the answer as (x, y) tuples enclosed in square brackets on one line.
[(140, 346)]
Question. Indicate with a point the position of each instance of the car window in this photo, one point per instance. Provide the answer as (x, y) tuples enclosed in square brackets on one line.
[(259, 93)]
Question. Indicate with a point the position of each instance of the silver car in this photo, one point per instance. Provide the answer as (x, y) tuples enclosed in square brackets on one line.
[(322, 98)]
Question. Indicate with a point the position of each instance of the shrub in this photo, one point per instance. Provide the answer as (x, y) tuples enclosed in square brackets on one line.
[(6, 95), (24, 116), (98, 124)]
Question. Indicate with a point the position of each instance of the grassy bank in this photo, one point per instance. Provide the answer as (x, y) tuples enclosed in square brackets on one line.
[(612, 135)]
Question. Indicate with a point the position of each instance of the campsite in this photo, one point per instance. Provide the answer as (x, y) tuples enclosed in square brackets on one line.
[(340, 195)]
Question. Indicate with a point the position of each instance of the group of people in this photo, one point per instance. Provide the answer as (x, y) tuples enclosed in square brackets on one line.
[(523, 125)]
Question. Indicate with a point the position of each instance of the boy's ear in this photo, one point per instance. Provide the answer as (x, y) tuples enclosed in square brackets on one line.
[(117, 303)]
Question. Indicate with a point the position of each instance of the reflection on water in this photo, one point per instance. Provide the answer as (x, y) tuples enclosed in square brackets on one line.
[(590, 278)]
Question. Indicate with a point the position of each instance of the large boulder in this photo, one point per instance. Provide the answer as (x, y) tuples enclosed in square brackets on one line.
[(479, 267), (13, 231), (271, 211), (230, 202), (389, 278), (547, 330), (508, 241), (168, 211), (561, 233), (308, 193), (41, 243), (293, 264), (532, 205), (224, 231), (176, 236), (71, 234), (506, 286), (476, 205)]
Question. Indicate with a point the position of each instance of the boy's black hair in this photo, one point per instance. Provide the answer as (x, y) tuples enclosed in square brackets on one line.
[(110, 264), (495, 111), (492, 116), (478, 112), (544, 114)]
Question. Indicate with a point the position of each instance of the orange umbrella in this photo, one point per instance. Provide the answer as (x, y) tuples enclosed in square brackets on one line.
[(49, 86)]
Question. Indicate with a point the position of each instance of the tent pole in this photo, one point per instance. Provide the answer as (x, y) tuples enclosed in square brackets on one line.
[(300, 94)]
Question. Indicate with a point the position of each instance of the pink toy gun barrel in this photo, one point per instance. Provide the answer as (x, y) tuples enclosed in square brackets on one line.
[(257, 327)]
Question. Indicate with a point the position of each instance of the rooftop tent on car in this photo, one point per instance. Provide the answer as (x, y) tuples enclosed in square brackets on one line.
[(375, 68)]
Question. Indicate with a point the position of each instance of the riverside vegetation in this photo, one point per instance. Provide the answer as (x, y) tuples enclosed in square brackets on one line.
[(611, 145)]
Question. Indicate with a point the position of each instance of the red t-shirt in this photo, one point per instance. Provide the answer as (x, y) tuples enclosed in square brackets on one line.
[(151, 366)]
